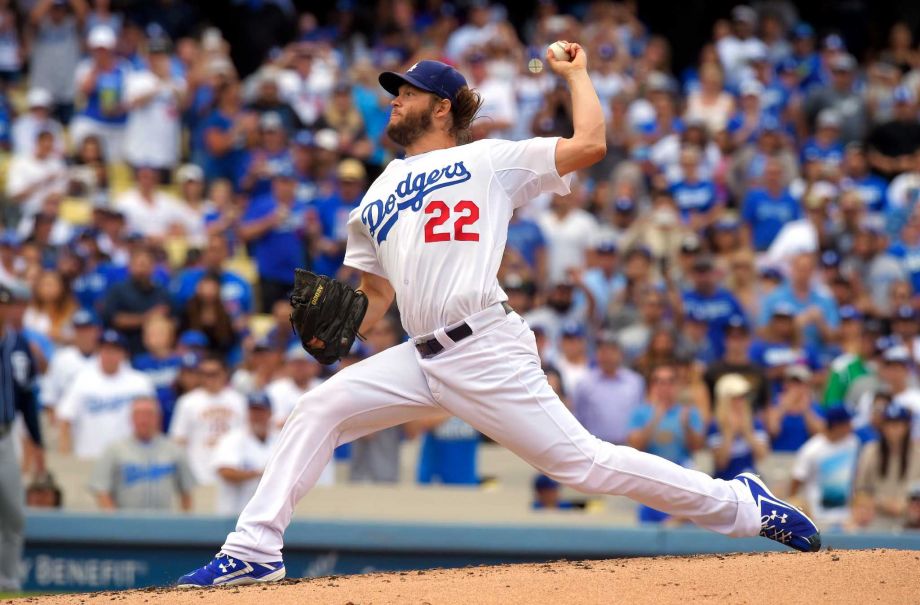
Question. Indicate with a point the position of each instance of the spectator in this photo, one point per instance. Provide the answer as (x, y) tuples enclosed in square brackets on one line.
[(547, 495), (695, 196), (765, 210), (206, 414), (96, 409), (328, 220), (710, 102), (448, 452), (912, 514), (737, 360), (635, 337), (156, 214), (526, 238), (858, 346), (571, 355), (44, 492), (240, 456), (824, 467), (55, 50), (893, 144), (273, 226), (896, 374), (69, 362), (235, 292), (36, 176), (52, 307), (871, 188), (19, 371), (260, 366), (129, 303), (737, 439), (664, 427), (603, 279), (101, 88), (606, 398), (343, 116), (795, 415), (301, 373), (710, 302), (37, 119), (843, 97), (569, 230), (225, 134), (264, 161), (145, 471), (205, 313), (815, 313), (160, 362), (152, 98), (885, 470), (375, 458)]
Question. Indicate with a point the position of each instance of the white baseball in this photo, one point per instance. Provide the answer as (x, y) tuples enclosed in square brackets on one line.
[(559, 51)]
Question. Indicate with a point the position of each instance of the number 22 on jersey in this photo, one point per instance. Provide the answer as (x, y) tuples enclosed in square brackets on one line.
[(466, 213)]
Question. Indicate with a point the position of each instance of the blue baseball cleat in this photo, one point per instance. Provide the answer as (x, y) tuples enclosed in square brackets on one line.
[(780, 521), (224, 570)]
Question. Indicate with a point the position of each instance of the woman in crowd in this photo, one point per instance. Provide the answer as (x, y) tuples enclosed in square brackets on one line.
[(737, 439), (51, 308)]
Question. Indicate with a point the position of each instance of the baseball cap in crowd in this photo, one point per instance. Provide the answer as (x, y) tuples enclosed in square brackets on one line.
[(9, 238), (573, 330), (771, 273), (190, 172), (843, 62), (351, 169), (849, 313), (303, 138), (770, 123), (84, 318), (605, 245), (271, 120), (695, 315), (896, 354), (783, 309), (737, 322), (38, 98), (608, 337), (797, 371), (744, 14), (896, 411), (828, 118), (732, 385), (542, 482), (837, 414), (258, 399), (430, 76), (624, 205), (262, 345), (327, 139), (787, 65), (691, 244), (703, 264), (193, 338), (728, 222), (830, 258), (159, 45), (905, 313), (111, 337), (285, 170), (659, 82), (834, 42), (101, 36), (751, 88), (606, 51), (803, 30), (190, 361)]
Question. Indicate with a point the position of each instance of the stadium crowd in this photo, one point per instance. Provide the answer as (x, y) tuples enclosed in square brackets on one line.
[(740, 275)]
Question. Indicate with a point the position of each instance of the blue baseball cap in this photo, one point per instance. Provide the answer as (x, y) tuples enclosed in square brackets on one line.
[(903, 94), (258, 399), (850, 313), (193, 338), (738, 322), (303, 138), (9, 238), (803, 30), (905, 313), (624, 205), (837, 414), (84, 318), (830, 258), (430, 76), (286, 171), (111, 337), (896, 411), (573, 330), (190, 361), (783, 309), (543, 482)]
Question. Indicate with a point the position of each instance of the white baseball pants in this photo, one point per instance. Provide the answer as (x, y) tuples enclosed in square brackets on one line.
[(493, 381)]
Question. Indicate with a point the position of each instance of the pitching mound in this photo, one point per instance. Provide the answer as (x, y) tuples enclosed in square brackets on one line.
[(872, 576)]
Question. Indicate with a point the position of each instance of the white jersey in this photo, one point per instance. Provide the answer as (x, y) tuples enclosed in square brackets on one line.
[(98, 407), (66, 364), (241, 450), (200, 420), (435, 225)]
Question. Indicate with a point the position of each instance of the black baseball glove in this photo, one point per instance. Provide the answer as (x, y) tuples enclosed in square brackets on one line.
[(327, 310)]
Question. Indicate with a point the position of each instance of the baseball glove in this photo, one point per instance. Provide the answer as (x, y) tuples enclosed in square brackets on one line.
[(328, 310)]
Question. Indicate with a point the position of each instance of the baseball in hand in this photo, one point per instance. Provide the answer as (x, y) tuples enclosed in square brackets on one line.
[(559, 52)]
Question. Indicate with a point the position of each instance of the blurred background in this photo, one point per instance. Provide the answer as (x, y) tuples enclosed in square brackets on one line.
[(736, 286)]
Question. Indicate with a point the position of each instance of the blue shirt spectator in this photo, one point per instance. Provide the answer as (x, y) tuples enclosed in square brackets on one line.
[(693, 197), (766, 211), (448, 454), (711, 303), (162, 371), (740, 452), (235, 292), (332, 215), (526, 238), (814, 312)]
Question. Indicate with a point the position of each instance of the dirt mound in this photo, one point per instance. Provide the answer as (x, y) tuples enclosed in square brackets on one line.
[(868, 576)]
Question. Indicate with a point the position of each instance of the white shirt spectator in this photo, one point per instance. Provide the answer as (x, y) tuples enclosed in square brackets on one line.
[(825, 470), (530, 91), (27, 126), (466, 37), (498, 105), (156, 219), (735, 53), (65, 366), (200, 419), (241, 450), (903, 189), (283, 393), (153, 133), (567, 238), (98, 407), (39, 177)]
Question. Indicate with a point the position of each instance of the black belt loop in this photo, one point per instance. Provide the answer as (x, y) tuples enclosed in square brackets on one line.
[(431, 347)]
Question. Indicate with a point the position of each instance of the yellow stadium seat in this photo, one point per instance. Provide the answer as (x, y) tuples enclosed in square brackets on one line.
[(176, 250), (243, 266), (76, 211), (121, 177)]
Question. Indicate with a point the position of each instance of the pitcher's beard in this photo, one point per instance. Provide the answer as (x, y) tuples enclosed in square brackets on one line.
[(410, 128)]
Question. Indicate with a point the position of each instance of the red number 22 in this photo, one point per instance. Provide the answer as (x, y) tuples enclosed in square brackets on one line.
[(441, 212)]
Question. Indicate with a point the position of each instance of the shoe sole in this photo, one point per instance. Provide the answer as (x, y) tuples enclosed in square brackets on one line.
[(814, 541), (275, 576)]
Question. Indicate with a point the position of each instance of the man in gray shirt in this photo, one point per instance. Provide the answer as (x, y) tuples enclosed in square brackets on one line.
[(146, 471), (604, 400)]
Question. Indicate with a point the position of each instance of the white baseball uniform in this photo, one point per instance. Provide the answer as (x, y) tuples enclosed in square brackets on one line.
[(435, 226)]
